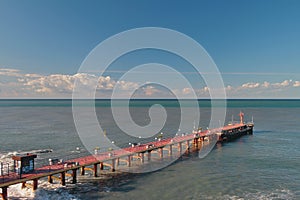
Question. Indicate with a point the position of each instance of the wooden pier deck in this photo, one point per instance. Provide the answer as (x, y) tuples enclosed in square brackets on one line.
[(109, 160)]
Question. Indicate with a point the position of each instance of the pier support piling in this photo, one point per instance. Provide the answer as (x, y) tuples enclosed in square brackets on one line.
[(149, 155), (180, 148), (4, 193), (170, 150), (196, 143), (35, 184), (82, 171), (63, 178), (101, 166), (95, 169), (50, 179), (129, 161), (74, 176), (188, 146), (142, 158), (113, 165), (161, 152)]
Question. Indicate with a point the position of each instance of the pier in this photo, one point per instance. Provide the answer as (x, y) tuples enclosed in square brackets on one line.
[(113, 160)]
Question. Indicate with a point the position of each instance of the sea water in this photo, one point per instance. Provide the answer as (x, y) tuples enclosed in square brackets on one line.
[(264, 165)]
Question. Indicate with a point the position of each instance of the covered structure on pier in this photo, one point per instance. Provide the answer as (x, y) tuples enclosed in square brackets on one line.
[(24, 163)]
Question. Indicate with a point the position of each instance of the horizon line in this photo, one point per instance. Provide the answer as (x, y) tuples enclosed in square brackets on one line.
[(150, 99)]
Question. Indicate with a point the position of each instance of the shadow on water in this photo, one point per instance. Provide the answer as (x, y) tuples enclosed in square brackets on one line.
[(123, 183), (119, 182), (263, 131)]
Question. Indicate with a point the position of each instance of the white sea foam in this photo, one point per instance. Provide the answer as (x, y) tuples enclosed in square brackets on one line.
[(6, 158), (45, 191), (263, 195), (15, 192), (6, 161), (7, 155)]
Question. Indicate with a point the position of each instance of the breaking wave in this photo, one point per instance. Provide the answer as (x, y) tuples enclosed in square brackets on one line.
[(45, 191)]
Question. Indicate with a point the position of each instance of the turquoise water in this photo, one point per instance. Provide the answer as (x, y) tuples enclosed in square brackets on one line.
[(262, 166)]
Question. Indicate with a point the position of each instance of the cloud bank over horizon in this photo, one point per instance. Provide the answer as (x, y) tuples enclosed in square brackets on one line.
[(16, 84)]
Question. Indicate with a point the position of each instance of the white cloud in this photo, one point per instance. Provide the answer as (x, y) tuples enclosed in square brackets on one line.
[(10, 72), (15, 84), (265, 89), (52, 84), (124, 85), (187, 91), (250, 85), (229, 88), (149, 90), (284, 83), (265, 84), (296, 84), (206, 89)]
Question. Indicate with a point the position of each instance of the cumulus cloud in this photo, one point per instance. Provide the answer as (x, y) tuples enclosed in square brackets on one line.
[(16, 84), (206, 89), (284, 83), (187, 91), (265, 84), (149, 90), (250, 85), (268, 85), (56, 83), (229, 88), (296, 84), (126, 85), (10, 72), (264, 89)]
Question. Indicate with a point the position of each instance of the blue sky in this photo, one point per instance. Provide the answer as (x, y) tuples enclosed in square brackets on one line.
[(250, 41)]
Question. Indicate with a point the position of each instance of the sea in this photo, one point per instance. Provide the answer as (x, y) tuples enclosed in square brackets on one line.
[(265, 165)]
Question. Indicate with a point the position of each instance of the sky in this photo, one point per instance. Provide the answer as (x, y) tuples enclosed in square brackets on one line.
[(254, 44)]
